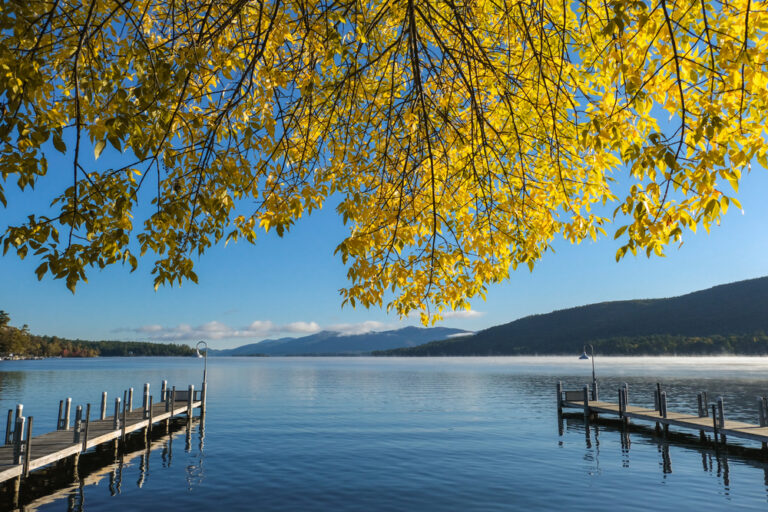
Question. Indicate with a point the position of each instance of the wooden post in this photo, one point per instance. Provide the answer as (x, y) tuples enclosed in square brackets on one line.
[(103, 405), (28, 447), (663, 403), (761, 411), (149, 421), (191, 391), (18, 435), (124, 421), (67, 408), (116, 417), (87, 424), (145, 401), (60, 417), (765, 409), (656, 399), (714, 421), (164, 391), (78, 424), (700, 400), (706, 403), (586, 402), (720, 413), (9, 427), (173, 400), (130, 399), (559, 397), (621, 403)]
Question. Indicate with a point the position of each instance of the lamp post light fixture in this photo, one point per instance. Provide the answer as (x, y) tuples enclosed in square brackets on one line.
[(591, 356)]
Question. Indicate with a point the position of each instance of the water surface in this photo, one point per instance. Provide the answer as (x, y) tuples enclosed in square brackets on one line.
[(407, 434)]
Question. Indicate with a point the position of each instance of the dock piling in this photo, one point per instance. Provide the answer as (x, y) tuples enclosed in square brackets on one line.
[(18, 438), (60, 417), (761, 410), (87, 425), (164, 391), (663, 404), (103, 405), (190, 400), (586, 403), (116, 417), (145, 401), (149, 424), (720, 413), (622, 408), (78, 424), (67, 409), (123, 422), (9, 427), (129, 403), (559, 397), (28, 446)]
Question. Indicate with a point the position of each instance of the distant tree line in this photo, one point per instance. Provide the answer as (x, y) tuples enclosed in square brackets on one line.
[(665, 344), (653, 345), (19, 341)]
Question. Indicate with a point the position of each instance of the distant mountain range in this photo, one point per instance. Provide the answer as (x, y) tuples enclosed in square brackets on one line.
[(334, 343), (731, 318)]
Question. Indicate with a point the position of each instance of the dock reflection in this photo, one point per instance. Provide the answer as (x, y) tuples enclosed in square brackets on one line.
[(67, 481), (715, 457)]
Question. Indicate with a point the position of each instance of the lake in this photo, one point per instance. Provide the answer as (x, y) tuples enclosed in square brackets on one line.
[(392, 434)]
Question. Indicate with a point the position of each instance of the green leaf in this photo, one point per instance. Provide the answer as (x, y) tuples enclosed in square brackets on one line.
[(99, 148)]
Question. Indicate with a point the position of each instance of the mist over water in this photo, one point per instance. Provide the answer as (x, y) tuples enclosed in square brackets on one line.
[(408, 434)]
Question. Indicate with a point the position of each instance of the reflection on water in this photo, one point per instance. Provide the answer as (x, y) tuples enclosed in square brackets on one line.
[(714, 456), (70, 481), (350, 434)]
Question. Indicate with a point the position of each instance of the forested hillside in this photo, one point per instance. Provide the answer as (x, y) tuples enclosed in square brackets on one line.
[(731, 318)]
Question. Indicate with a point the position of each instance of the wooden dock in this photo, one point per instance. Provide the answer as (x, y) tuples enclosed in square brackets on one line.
[(24, 453), (705, 420)]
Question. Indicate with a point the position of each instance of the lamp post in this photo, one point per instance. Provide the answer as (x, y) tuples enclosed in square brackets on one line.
[(594, 379), (204, 392)]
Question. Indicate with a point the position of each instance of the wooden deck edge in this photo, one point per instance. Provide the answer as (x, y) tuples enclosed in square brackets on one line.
[(687, 422), (9, 472)]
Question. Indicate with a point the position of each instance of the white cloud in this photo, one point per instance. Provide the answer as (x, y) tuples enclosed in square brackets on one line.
[(360, 327), (304, 327), (463, 313), (256, 330)]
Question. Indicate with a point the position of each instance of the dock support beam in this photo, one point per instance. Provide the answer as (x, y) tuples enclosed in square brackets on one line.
[(559, 397), (586, 403)]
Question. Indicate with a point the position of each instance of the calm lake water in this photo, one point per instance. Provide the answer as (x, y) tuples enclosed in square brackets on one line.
[(390, 434)]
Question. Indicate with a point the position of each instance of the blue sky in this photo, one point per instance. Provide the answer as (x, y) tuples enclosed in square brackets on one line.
[(289, 286)]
